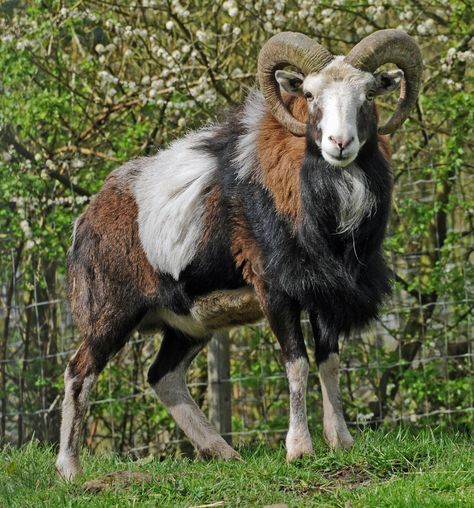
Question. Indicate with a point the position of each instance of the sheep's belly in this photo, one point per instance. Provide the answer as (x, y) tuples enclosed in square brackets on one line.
[(212, 312)]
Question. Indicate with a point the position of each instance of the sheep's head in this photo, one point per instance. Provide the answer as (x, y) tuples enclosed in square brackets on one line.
[(340, 106), (340, 90)]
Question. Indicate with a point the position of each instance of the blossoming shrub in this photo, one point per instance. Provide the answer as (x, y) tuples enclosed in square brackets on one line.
[(87, 85)]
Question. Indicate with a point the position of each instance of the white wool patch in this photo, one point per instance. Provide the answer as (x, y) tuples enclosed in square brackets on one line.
[(356, 200), (246, 150), (170, 192)]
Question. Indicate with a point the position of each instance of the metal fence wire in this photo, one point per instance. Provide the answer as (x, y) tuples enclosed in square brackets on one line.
[(415, 364)]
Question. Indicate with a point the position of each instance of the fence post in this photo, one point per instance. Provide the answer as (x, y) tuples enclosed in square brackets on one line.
[(219, 388)]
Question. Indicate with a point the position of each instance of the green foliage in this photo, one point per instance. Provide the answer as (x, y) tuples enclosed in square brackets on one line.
[(85, 86)]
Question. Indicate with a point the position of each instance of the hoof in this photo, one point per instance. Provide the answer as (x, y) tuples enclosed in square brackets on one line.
[(293, 455), (68, 468), (298, 447), (220, 451), (338, 438), (232, 455)]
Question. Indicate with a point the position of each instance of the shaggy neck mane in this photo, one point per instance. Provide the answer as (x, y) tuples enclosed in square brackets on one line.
[(281, 156)]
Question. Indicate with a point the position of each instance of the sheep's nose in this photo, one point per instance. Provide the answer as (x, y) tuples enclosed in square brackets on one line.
[(341, 142)]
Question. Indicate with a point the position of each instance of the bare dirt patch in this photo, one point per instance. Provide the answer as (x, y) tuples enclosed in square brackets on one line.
[(348, 477)]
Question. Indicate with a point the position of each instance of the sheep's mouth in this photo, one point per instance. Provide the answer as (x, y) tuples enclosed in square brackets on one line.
[(339, 160)]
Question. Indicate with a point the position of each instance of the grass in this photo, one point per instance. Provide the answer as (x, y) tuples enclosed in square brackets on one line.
[(385, 469)]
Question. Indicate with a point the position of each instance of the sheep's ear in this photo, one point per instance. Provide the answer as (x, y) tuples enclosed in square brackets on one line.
[(291, 82), (388, 81)]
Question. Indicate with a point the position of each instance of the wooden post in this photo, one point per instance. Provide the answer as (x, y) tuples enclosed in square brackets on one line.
[(219, 388)]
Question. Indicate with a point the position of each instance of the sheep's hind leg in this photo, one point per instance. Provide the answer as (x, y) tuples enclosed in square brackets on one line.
[(79, 378), (167, 376)]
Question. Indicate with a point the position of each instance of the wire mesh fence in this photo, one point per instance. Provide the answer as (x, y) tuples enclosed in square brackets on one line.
[(83, 111), (415, 364)]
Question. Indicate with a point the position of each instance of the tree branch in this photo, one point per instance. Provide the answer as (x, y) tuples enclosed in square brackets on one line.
[(7, 137)]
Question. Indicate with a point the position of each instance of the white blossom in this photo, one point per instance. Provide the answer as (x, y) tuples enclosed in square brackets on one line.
[(465, 56), (77, 163), (202, 36), (237, 72), (231, 8), (157, 84), (268, 26), (25, 227)]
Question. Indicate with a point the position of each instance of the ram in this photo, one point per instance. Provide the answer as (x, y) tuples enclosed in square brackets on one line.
[(280, 208)]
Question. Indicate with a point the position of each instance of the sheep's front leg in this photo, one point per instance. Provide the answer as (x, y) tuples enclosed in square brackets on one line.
[(335, 428), (284, 319), (298, 439), (327, 357)]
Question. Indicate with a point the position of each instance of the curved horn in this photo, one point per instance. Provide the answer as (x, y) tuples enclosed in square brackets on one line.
[(397, 47), (288, 48)]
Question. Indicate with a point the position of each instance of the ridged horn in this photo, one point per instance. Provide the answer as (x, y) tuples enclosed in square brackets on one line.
[(397, 47), (288, 48)]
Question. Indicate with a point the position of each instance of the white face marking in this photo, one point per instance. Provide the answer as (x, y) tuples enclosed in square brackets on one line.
[(170, 193), (339, 100)]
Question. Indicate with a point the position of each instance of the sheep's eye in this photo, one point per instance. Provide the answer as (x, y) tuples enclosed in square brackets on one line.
[(308, 95), (370, 95)]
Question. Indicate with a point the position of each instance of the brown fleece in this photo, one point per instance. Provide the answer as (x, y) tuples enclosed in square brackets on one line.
[(248, 255), (281, 156), (222, 309), (82, 363), (107, 264), (212, 213)]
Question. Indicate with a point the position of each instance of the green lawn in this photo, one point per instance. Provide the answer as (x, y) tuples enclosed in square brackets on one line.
[(385, 469)]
